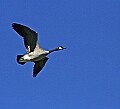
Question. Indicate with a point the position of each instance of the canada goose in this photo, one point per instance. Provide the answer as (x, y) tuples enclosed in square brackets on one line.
[(34, 52)]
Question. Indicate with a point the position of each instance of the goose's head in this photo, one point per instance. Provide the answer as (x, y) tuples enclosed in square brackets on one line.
[(56, 49), (61, 48)]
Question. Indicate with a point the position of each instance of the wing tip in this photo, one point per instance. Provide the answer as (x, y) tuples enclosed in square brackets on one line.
[(13, 25), (34, 76)]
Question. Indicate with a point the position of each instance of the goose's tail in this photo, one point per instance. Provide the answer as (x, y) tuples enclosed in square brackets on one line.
[(18, 57)]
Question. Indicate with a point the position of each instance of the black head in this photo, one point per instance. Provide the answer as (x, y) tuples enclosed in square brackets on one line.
[(61, 48)]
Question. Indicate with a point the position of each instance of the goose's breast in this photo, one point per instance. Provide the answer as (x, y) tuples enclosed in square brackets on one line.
[(36, 56)]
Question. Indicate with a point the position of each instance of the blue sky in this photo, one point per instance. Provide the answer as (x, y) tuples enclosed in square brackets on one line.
[(85, 76)]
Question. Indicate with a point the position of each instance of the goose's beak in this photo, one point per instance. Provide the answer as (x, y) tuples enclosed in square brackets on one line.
[(64, 48)]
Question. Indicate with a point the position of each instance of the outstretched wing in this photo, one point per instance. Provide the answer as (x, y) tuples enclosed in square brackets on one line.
[(30, 36), (38, 66)]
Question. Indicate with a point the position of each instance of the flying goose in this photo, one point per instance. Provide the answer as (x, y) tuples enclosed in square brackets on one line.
[(34, 53)]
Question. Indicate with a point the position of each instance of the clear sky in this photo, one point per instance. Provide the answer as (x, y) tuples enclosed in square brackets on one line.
[(84, 76)]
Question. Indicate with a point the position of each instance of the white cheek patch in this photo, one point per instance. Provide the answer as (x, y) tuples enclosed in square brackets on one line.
[(60, 48)]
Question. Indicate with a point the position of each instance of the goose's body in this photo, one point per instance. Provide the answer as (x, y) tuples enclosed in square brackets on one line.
[(34, 52), (34, 56)]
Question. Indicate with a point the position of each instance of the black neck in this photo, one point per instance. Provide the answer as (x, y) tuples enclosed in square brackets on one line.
[(56, 49)]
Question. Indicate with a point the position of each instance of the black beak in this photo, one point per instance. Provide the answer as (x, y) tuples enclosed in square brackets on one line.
[(64, 48)]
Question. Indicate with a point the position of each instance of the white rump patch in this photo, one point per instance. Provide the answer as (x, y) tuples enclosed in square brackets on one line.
[(27, 57)]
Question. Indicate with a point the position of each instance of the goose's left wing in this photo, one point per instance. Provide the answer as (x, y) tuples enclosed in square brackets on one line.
[(38, 66)]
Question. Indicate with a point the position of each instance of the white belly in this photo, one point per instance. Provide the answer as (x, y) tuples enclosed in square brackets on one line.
[(31, 57)]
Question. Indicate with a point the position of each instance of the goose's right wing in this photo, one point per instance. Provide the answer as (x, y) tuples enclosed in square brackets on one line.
[(30, 36)]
